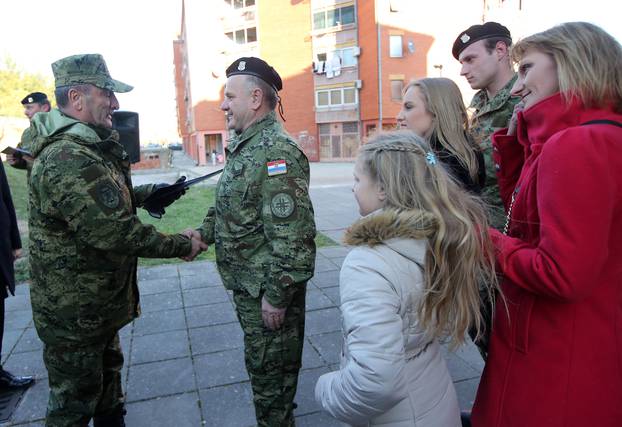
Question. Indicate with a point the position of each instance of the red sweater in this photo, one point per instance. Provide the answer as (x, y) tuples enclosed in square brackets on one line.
[(556, 352)]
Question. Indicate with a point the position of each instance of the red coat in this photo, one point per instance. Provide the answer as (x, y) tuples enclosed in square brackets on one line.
[(556, 360)]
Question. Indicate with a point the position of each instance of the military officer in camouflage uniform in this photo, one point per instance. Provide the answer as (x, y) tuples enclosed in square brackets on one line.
[(263, 228), (33, 103), (85, 238), (483, 51)]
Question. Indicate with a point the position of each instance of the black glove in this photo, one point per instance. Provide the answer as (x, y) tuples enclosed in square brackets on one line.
[(164, 195)]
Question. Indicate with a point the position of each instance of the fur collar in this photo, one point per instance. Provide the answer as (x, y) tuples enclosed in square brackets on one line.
[(386, 224)]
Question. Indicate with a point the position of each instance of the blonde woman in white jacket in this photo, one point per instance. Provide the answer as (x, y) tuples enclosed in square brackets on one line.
[(420, 250)]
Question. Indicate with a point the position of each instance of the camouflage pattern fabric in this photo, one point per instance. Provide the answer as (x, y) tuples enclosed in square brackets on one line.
[(262, 224), (87, 68), (24, 144), (98, 392), (490, 115), (84, 235), (273, 358), (263, 228)]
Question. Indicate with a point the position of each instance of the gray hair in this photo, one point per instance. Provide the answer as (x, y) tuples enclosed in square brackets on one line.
[(268, 91), (61, 93)]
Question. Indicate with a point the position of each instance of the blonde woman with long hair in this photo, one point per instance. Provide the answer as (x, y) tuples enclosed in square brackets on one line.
[(556, 357), (420, 250), (434, 110)]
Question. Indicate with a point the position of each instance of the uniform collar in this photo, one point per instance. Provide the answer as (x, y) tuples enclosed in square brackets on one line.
[(481, 103), (236, 140)]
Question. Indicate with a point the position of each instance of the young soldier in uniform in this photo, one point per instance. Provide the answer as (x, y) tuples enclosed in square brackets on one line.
[(33, 103), (85, 238), (483, 51), (263, 228)]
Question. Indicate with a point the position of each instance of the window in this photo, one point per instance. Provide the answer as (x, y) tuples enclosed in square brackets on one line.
[(336, 97), (347, 15), (322, 98), (333, 18), (396, 89), (395, 47), (239, 4), (319, 20), (349, 96), (243, 36), (251, 35), (347, 56), (338, 140)]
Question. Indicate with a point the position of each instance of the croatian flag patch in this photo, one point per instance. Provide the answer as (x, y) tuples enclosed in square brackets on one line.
[(277, 167)]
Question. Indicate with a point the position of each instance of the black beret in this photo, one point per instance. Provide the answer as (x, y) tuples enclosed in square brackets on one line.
[(478, 32), (252, 66), (31, 98)]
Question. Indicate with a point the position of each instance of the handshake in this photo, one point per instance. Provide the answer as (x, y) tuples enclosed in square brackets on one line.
[(198, 246)]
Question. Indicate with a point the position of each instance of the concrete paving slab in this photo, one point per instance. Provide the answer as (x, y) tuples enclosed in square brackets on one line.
[(180, 411), (321, 321), (204, 296), (160, 321), (209, 315), (228, 405), (216, 338), (33, 404), (161, 346), (29, 341), (160, 302), (160, 379), (218, 369), (157, 286)]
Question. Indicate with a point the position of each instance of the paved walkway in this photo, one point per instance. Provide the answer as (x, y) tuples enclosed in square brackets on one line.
[(184, 364)]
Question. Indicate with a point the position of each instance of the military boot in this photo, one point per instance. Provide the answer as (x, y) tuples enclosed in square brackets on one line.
[(115, 419)]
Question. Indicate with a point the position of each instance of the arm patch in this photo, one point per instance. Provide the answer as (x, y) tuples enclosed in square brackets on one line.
[(282, 205)]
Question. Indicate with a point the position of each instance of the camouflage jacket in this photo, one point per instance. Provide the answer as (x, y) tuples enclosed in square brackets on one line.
[(262, 222), (490, 115), (24, 144), (84, 234)]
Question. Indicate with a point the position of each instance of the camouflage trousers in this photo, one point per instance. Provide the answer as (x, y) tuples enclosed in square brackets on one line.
[(85, 381), (273, 358)]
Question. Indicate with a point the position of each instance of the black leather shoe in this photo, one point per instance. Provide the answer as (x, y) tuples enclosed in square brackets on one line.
[(115, 419), (9, 381)]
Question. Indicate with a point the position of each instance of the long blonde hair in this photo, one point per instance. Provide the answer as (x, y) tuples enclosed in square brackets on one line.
[(588, 59), (459, 254), (450, 125)]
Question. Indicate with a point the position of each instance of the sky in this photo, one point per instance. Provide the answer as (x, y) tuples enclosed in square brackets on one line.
[(136, 39), (134, 36)]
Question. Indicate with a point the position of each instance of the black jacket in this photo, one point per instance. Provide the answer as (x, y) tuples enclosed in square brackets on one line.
[(9, 237), (458, 170)]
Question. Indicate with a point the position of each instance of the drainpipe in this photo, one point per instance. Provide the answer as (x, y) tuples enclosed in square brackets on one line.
[(379, 66)]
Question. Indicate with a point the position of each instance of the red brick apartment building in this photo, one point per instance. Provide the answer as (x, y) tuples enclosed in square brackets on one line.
[(343, 63)]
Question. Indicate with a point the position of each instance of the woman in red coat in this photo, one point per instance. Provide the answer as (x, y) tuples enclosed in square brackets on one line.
[(556, 347)]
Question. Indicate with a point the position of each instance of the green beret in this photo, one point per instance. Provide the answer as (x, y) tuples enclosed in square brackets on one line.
[(86, 69)]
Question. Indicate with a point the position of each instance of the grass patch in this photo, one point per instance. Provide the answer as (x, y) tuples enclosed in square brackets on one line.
[(187, 212), (19, 190)]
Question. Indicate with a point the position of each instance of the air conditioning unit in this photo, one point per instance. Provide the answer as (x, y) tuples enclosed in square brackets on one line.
[(358, 84), (356, 51)]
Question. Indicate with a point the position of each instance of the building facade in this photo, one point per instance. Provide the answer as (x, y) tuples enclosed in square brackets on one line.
[(343, 63)]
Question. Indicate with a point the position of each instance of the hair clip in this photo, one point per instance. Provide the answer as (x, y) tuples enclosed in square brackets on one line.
[(430, 158)]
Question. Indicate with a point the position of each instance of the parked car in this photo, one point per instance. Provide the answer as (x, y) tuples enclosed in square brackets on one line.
[(175, 146)]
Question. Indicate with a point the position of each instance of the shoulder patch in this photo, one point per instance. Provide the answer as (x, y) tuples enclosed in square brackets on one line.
[(108, 195), (282, 205), (277, 167)]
